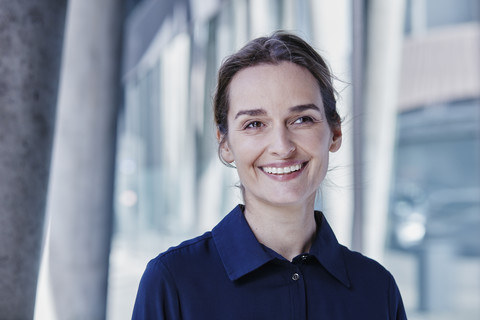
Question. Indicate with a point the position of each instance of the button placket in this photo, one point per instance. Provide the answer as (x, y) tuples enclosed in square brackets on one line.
[(298, 293)]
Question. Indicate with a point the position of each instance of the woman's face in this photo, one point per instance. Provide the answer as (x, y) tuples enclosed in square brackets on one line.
[(278, 135)]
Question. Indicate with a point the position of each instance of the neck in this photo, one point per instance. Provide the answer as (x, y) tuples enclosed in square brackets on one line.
[(289, 231)]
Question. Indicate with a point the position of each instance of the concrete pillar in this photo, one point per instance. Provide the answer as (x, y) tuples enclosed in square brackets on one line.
[(31, 35), (382, 75), (337, 193), (358, 82), (81, 192), (436, 289)]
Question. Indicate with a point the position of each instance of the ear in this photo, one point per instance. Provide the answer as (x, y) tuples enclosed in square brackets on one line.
[(224, 148), (336, 139)]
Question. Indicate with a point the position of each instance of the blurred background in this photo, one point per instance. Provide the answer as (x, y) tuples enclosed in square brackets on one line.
[(135, 169)]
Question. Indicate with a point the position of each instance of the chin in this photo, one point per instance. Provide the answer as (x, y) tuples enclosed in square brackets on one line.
[(286, 201)]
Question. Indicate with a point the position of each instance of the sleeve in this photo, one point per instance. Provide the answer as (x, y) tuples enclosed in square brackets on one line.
[(397, 310), (157, 296)]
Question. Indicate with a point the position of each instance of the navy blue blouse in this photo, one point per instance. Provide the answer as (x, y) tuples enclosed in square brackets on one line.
[(228, 274)]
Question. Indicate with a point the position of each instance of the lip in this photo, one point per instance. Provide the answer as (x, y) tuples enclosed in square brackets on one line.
[(285, 176)]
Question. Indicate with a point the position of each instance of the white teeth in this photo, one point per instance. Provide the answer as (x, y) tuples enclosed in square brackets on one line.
[(274, 170)]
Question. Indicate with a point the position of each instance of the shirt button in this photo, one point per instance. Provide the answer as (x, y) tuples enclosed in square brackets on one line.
[(295, 276)]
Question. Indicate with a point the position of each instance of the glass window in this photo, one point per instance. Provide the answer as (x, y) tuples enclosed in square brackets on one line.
[(448, 12), (435, 206), (422, 15)]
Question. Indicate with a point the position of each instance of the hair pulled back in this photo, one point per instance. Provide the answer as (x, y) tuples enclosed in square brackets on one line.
[(279, 47)]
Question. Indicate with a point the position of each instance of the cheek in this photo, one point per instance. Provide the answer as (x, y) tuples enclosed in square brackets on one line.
[(317, 141), (246, 151)]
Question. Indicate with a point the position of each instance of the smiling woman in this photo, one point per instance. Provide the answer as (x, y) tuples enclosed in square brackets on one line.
[(274, 257), (276, 126)]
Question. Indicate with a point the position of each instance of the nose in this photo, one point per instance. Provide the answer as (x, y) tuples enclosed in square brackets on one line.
[(281, 144)]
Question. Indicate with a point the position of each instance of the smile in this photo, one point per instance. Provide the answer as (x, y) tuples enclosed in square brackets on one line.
[(284, 170)]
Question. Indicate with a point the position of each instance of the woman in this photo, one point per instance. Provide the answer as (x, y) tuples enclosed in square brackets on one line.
[(273, 257)]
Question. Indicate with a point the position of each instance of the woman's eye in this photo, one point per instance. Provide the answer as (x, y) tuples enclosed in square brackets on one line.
[(303, 120), (254, 124)]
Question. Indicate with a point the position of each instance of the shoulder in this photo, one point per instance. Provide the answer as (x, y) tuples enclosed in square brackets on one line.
[(362, 269), (198, 256), (189, 251), (356, 260), (161, 273), (374, 280), (162, 281)]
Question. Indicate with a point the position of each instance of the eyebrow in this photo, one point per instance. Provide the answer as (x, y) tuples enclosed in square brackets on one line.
[(262, 112), (252, 112), (304, 107)]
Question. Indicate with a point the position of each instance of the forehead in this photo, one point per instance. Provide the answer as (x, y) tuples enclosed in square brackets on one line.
[(281, 85)]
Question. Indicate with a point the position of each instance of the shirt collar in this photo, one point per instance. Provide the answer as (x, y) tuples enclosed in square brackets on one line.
[(241, 253), (239, 250), (328, 251)]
